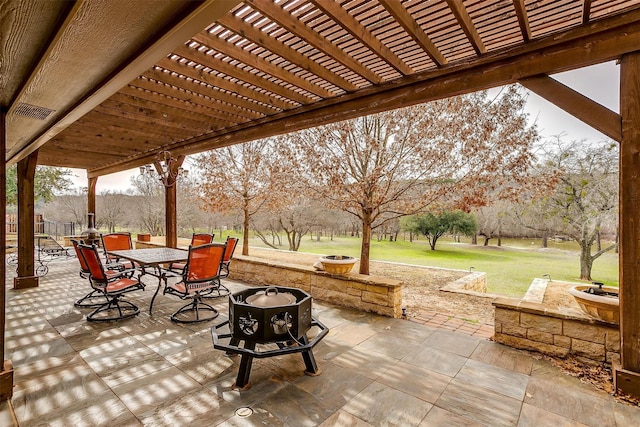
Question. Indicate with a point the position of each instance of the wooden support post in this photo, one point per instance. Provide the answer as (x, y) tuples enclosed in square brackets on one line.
[(171, 216), (91, 196), (168, 168), (6, 373), (26, 206), (627, 378)]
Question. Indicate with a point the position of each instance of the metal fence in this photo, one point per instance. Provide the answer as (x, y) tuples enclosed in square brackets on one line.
[(41, 226), (58, 229)]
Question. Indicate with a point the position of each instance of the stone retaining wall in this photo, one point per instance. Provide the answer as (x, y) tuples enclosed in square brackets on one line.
[(374, 294), (473, 284), (533, 326)]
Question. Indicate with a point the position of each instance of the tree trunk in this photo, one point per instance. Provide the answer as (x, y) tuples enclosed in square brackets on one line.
[(474, 239), (586, 262), (245, 232), (366, 244), (545, 239), (486, 241), (598, 242)]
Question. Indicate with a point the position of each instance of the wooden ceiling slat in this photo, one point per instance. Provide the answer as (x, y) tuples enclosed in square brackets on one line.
[(222, 112), (230, 70), (461, 14), (293, 25), (109, 144), (360, 32), (171, 102), (225, 101), (261, 38), (248, 98), (104, 119), (147, 115), (268, 67), (70, 158), (414, 30)]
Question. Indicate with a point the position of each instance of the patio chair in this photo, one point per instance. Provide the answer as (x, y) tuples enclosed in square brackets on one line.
[(197, 239), (87, 300), (201, 274), (232, 242), (117, 242), (111, 286)]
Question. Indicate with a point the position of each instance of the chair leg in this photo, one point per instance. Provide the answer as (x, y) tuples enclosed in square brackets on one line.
[(86, 301), (195, 307), (126, 309), (217, 292)]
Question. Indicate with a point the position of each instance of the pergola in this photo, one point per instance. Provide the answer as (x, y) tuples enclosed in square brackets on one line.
[(108, 86)]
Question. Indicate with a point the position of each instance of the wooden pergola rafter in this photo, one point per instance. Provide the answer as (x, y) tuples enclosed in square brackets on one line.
[(116, 84)]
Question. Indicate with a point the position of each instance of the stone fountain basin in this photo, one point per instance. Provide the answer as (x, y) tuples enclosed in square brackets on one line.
[(605, 308), (338, 264)]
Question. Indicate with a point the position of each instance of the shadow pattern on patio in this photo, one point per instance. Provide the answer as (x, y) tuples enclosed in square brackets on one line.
[(375, 371)]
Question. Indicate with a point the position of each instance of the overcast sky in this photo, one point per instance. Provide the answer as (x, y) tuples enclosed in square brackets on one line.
[(599, 82)]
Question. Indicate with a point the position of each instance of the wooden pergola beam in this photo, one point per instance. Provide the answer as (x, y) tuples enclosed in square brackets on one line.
[(413, 29), (362, 33), (595, 115), (586, 11), (300, 29), (255, 35), (627, 378), (507, 67), (461, 14), (523, 19)]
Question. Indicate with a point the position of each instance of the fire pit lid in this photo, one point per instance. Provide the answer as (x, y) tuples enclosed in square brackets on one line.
[(270, 297)]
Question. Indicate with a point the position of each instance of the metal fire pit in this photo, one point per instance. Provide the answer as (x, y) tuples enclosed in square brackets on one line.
[(269, 315)]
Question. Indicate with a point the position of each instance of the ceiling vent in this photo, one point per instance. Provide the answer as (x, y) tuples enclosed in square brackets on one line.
[(32, 111)]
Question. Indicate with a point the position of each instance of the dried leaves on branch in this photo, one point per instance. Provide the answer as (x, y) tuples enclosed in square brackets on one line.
[(451, 153)]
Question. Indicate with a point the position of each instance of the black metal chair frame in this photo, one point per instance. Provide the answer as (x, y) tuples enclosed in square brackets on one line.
[(193, 289), (107, 283)]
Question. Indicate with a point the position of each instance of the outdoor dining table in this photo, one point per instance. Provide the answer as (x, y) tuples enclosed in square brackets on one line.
[(151, 260)]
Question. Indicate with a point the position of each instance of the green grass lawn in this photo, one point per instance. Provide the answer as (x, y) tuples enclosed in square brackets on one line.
[(510, 268)]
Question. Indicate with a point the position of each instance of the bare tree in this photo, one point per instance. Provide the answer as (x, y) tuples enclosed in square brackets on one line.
[(110, 205), (241, 178), (585, 197), (69, 207), (150, 207), (382, 167)]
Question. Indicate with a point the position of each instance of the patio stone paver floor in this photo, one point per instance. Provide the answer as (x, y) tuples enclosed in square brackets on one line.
[(375, 371)]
